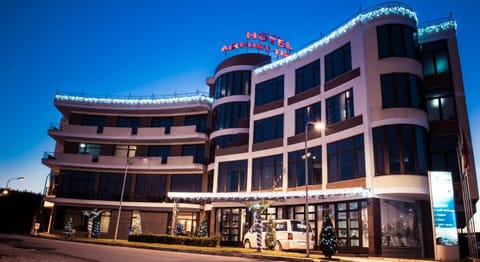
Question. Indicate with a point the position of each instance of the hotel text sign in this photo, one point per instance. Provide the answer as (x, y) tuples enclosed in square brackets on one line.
[(265, 42)]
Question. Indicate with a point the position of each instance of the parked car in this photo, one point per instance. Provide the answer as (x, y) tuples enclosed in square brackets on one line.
[(290, 235)]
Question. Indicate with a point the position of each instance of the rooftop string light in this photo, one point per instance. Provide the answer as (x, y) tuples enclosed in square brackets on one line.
[(134, 101), (359, 19)]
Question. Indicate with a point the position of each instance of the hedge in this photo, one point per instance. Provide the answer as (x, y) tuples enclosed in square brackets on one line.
[(179, 240)]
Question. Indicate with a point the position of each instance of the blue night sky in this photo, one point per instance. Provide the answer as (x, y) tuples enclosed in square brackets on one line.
[(142, 47)]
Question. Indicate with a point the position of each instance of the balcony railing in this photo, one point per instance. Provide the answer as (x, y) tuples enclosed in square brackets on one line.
[(119, 162)]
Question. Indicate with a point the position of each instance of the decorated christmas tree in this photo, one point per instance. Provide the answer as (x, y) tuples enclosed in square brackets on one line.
[(203, 230), (96, 228), (68, 229), (328, 240), (270, 234)]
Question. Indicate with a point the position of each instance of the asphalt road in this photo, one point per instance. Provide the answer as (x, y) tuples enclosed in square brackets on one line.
[(23, 248)]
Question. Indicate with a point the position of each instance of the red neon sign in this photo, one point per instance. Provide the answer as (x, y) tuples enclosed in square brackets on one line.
[(264, 42)]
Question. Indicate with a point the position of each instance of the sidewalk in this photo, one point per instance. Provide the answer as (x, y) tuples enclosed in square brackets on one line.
[(315, 256)]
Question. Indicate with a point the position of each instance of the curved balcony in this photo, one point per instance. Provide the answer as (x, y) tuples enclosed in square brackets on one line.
[(144, 135), (401, 185), (118, 163)]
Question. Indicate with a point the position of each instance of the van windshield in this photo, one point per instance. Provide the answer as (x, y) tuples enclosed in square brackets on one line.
[(299, 226)]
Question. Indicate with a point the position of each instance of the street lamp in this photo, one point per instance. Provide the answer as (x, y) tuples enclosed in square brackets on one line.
[(5, 191), (318, 126), (127, 162)]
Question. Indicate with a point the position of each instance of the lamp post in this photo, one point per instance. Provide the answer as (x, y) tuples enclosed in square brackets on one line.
[(318, 126), (5, 191), (127, 162)]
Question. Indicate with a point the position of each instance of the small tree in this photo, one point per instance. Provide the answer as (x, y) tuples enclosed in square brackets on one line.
[(203, 230), (328, 240), (270, 235), (68, 229)]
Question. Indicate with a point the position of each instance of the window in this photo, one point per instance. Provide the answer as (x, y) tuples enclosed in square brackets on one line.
[(443, 155), (163, 151), (226, 141), (228, 115), (346, 159), (340, 107), (165, 122), (197, 151), (232, 176), (440, 105), (111, 187), (435, 58), (89, 149), (307, 77), (296, 167), (338, 62), (232, 83), (125, 150), (396, 40), (401, 90), (268, 129), (133, 122), (77, 184), (186, 183), (400, 149), (267, 172), (150, 188), (91, 120), (269, 91), (200, 121), (105, 220), (303, 115)]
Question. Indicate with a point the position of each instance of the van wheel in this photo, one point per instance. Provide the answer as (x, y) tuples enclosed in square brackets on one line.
[(278, 246), (247, 244)]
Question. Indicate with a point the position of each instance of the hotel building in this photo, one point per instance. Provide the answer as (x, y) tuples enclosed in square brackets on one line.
[(389, 93)]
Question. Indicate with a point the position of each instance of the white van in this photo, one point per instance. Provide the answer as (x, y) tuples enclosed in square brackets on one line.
[(290, 235)]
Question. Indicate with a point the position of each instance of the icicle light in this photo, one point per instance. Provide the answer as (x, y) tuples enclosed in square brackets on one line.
[(134, 101), (249, 196)]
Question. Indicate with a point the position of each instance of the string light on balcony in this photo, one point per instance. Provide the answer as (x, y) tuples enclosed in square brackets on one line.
[(134, 102), (437, 28), (249, 196)]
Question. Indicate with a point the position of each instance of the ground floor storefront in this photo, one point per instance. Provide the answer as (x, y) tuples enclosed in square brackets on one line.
[(373, 226)]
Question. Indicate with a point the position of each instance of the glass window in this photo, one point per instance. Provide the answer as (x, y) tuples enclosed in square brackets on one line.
[(196, 150), (229, 115), (111, 187), (440, 104), (338, 62), (400, 149), (163, 151), (232, 176), (200, 121), (340, 107), (165, 122), (396, 40), (267, 172), (89, 149), (125, 150), (443, 155), (399, 223), (150, 188), (401, 90), (91, 120), (307, 77), (268, 129), (435, 58), (186, 183), (232, 83), (269, 91), (77, 184), (311, 113), (296, 167), (133, 122), (346, 159)]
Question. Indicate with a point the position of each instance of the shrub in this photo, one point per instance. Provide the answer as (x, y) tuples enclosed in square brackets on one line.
[(178, 240)]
